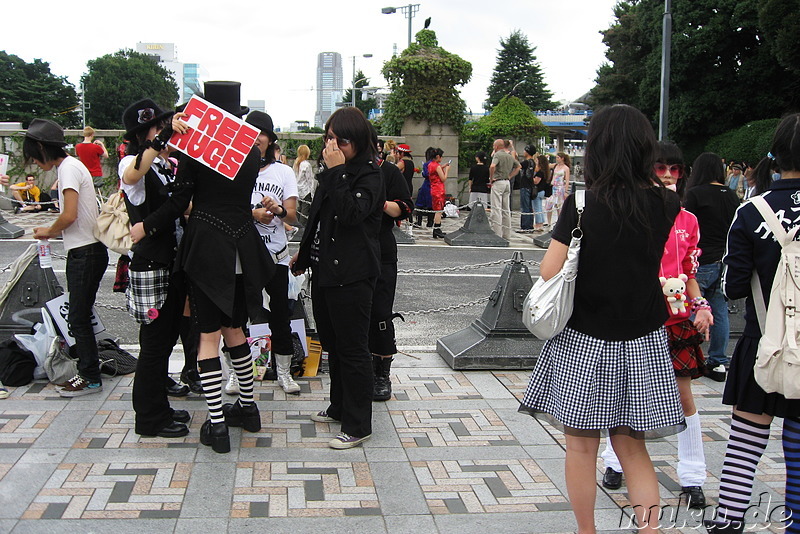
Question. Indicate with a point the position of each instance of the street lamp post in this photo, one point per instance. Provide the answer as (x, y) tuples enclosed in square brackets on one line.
[(666, 49), (409, 11), (353, 92)]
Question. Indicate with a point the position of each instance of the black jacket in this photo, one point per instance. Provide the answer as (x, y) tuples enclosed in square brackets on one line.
[(751, 247), (345, 217), (221, 227), (396, 191)]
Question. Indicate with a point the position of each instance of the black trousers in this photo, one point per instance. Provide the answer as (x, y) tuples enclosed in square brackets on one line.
[(381, 328), (342, 315), (278, 315), (156, 341)]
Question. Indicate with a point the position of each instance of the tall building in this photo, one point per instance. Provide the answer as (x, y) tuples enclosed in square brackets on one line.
[(188, 76), (329, 85)]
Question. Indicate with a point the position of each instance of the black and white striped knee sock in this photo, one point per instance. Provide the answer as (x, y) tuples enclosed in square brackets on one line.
[(243, 366), (746, 444), (211, 378)]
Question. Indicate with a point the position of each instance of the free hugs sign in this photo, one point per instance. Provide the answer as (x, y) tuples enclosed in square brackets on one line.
[(217, 139)]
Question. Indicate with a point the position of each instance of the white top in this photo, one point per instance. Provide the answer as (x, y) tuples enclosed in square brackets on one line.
[(136, 193), (306, 184), (277, 181), (72, 174)]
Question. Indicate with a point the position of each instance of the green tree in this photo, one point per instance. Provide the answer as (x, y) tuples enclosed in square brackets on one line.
[(364, 104), (115, 81), (510, 118), (778, 19), (517, 73), (749, 143), (423, 80), (724, 73), (30, 90)]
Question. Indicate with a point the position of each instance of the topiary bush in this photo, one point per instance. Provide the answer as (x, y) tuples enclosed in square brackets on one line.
[(423, 80), (749, 143)]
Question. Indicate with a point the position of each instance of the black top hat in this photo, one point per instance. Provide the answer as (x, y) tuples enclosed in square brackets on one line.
[(226, 95), (46, 132), (141, 116), (263, 122)]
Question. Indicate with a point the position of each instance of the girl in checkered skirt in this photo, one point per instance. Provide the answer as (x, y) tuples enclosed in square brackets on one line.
[(610, 370)]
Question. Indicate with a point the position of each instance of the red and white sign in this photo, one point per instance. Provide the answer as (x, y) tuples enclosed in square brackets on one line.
[(217, 139)]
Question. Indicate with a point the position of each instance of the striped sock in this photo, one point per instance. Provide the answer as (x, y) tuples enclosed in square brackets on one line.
[(211, 378), (791, 454), (243, 365), (746, 444)]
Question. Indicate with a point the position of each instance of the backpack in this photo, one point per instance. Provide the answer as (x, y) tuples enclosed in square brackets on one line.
[(777, 368), (114, 361), (16, 364)]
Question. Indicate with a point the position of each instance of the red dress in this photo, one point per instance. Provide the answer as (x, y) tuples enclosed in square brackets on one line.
[(437, 186)]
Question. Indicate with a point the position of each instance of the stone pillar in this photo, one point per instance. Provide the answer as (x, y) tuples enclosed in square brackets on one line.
[(420, 135)]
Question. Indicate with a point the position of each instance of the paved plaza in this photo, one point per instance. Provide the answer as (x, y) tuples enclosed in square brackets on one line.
[(449, 453)]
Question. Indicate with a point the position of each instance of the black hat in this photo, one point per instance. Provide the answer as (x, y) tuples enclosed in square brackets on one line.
[(226, 95), (530, 149), (142, 116), (263, 122), (46, 132)]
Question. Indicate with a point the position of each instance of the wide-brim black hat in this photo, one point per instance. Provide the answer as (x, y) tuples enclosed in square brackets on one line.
[(226, 95), (263, 122), (46, 132), (141, 116)]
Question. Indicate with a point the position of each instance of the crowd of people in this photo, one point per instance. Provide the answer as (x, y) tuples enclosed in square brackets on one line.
[(210, 256)]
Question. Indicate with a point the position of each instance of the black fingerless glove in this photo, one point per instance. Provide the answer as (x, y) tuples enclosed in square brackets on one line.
[(161, 140)]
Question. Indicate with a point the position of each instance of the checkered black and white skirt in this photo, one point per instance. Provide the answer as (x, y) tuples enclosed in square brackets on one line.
[(591, 386)]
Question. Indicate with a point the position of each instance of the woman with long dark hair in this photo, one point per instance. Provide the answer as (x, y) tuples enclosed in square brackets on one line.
[(541, 183), (714, 204), (751, 248), (609, 371), (341, 246)]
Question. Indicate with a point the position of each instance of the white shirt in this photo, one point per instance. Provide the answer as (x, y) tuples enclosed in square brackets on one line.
[(72, 174), (306, 184), (277, 181), (136, 193)]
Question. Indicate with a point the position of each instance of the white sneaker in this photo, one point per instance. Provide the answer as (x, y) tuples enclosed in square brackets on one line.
[(232, 387)]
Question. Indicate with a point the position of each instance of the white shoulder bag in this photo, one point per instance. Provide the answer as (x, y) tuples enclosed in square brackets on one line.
[(548, 306)]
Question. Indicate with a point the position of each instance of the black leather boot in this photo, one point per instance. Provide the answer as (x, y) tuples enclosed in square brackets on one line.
[(246, 417), (430, 220), (437, 231), (418, 223), (383, 385), (216, 435)]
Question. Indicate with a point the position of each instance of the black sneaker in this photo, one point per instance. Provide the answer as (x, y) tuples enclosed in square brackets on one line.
[(695, 498), (612, 479)]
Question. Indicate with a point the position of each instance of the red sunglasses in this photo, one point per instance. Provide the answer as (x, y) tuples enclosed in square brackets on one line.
[(675, 170)]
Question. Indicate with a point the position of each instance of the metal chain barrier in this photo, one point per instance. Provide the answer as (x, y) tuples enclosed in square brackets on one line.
[(446, 308)]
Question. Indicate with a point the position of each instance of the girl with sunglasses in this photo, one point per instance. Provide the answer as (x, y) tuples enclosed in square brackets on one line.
[(341, 246), (684, 334)]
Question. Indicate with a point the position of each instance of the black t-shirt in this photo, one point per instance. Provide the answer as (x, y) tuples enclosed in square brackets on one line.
[(525, 175), (479, 174), (617, 292), (714, 206)]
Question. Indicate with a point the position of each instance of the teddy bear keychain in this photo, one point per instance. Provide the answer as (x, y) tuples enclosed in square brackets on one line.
[(675, 291)]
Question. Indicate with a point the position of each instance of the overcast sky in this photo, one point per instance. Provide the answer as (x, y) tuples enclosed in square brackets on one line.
[(272, 46)]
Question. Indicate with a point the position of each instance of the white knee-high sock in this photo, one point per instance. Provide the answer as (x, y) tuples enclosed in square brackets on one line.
[(610, 457), (691, 458)]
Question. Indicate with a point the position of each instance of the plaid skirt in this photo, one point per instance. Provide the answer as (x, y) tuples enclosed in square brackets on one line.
[(588, 386), (685, 349)]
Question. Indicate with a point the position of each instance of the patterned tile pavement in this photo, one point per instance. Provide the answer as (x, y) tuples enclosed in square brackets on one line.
[(448, 451)]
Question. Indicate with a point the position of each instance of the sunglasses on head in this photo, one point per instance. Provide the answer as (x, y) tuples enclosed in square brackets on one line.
[(675, 170), (341, 141)]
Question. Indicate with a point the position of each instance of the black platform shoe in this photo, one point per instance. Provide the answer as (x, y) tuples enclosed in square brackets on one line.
[(216, 435), (383, 385), (175, 389), (612, 479), (172, 430), (437, 233), (191, 378), (695, 498), (181, 416), (246, 417)]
